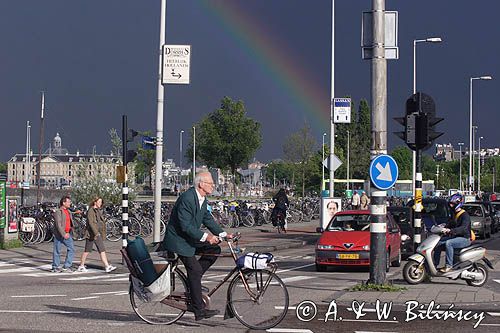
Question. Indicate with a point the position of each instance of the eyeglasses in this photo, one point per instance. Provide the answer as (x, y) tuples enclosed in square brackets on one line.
[(210, 183)]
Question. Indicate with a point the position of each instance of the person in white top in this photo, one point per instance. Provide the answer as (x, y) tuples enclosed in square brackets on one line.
[(355, 200)]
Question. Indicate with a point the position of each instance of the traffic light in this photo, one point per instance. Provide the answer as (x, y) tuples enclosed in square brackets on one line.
[(131, 153), (419, 122)]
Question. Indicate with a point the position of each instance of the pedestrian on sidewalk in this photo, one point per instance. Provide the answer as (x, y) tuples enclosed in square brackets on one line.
[(63, 230), (364, 201), (355, 200), (94, 234)]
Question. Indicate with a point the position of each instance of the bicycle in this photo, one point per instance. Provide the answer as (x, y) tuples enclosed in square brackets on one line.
[(257, 298)]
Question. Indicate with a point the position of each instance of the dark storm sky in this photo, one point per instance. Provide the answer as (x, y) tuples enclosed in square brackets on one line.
[(97, 60)]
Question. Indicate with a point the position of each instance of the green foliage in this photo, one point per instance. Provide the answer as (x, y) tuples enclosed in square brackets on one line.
[(145, 161), (404, 159), (87, 187), (377, 287), (281, 171), (226, 138), (11, 244), (116, 142), (3, 167)]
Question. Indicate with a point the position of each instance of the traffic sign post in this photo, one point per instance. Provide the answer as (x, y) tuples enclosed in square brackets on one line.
[(176, 63), (384, 172), (342, 110)]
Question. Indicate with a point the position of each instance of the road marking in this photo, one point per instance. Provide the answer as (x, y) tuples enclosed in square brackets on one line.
[(25, 269), (489, 324), (2, 264), (497, 281), (297, 278), (116, 280), (82, 298), (293, 269), (494, 314), (36, 311), (288, 330), (82, 278), (110, 292), (33, 296)]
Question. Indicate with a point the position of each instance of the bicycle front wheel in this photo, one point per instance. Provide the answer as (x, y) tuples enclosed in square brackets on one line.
[(271, 305), (158, 313)]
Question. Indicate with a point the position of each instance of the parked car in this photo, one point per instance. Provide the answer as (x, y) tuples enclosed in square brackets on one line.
[(346, 241), (403, 216), (490, 210), (479, 218), (436, 211), (496, 206)]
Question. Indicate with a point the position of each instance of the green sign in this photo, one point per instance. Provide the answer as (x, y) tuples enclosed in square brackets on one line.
[(2, 204)]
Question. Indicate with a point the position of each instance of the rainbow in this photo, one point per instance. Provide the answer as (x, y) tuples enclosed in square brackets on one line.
[(296, 83)]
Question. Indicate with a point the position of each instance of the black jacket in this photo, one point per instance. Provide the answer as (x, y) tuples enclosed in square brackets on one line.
[(460, 227)]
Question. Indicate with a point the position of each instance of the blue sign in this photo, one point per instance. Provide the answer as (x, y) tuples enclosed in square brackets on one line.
[(384, 172)]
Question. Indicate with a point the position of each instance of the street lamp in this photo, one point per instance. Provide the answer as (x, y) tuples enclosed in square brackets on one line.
[(471, 181), (415, 42), (322, 166), (460, 144), (194, 153), (479, 167), (474, 130), (348, 139)]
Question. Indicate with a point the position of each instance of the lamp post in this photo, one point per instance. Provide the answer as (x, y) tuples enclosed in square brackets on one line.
[(460, 144), (194, 153), (479, 167), (348, 150), (471, 148), (474, 129), (322, 166), (415, 42)]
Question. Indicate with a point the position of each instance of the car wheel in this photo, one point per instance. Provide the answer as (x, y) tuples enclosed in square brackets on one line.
[(320, 268), (397, 262)]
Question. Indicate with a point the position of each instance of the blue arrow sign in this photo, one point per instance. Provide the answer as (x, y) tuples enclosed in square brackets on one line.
[(384, 172)]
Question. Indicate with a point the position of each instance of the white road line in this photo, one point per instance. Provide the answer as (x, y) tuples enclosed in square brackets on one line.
[(497, 281), (115, 280), (34, 296), (25, 269), (288, 330), (110, 292), (82, 298), (308, 257), (36, 311), (489, 324), (2, 264), (103, 276), (293, 269), (297, 278), (494, 314)]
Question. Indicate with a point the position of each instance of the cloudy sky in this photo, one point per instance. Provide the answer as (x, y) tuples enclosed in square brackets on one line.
[(97, 60)]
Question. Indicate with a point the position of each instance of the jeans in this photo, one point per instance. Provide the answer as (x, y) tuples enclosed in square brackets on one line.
[(56, 254), (450, 244)]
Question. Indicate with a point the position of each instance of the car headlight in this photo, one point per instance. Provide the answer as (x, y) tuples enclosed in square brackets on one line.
[(404, 237), (366, 247), (476, 224), (325, 247)]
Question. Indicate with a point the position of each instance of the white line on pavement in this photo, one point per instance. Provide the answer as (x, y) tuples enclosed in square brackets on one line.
[(33, 296), (494, 314), (489, 324), (295, 268), (288, 330), (104, 276), (110, 292), (297, 278), (82, 298), (36, 311), (25, 269), (497, 281), (115, 280)]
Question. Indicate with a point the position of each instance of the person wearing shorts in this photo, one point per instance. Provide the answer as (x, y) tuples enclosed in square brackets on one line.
[(95, 233)]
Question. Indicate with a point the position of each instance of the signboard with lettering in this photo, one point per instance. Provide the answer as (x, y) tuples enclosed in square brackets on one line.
[(176, 62)]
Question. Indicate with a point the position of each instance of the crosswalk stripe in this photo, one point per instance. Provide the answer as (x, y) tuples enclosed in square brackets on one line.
[(35, 296), (110, 292), (84, 298), (25, 269), (494, 314), (497, 281), (297, 278), (83, 278)]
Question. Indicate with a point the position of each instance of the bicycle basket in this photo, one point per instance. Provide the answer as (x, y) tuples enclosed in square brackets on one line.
[(156, 291), (255, 260)]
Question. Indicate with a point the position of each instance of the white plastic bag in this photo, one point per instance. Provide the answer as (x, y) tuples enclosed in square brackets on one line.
[(156, 291), (255, 260)]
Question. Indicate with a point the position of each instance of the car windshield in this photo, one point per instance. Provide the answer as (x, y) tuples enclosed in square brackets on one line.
[(435, 209), (354, 222), (474, 211)]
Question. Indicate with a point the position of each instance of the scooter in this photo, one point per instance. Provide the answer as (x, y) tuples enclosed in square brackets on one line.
[(468, 265)]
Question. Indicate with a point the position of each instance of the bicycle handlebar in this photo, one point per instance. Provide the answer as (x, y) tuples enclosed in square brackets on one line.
[(236, 237)]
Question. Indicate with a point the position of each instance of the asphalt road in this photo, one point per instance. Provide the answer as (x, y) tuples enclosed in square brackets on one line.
[(33, 299)]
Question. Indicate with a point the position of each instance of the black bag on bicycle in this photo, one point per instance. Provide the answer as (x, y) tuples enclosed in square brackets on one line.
[(140, 258)]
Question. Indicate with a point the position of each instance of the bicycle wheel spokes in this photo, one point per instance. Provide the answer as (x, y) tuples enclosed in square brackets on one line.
[(158, 313), (269, 309)]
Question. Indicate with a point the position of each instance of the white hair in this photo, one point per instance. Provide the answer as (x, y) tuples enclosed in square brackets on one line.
[(200, 177)]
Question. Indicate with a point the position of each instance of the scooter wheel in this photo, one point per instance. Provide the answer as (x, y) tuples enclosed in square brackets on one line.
[(413, 273), (479, 268)]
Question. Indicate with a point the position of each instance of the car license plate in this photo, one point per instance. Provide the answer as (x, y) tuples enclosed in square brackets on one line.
[(348, 256)]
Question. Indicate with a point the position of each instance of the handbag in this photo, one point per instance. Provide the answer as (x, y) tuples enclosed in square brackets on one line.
[(255, 261)]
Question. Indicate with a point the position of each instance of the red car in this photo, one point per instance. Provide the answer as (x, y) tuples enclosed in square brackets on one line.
[(346, 241)]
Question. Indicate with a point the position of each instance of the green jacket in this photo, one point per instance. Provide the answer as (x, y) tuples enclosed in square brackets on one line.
[(183, 229)]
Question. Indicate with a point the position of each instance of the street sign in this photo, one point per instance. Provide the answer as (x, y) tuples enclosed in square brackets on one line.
[(383, 172), (176, 62), (391, 35), (342, 110), (336, 162)]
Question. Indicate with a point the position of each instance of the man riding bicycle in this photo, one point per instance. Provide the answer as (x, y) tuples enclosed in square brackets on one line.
[(280, 205), (184, 237)]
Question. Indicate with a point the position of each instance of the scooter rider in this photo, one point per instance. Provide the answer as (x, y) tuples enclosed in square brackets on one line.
[(458, 233)]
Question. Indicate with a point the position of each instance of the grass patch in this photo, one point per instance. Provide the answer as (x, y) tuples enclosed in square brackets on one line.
[(13, 243), (376, 287)]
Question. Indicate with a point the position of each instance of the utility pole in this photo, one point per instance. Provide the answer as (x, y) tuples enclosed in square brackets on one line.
[(40, 146), (125, 184), (332, 96), (378, 220), (194, 153), (159, 129), (348, 152)]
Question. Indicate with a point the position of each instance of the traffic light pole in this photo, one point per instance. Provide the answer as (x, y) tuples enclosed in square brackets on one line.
[(125, 184), (418, 198), (378, 225)]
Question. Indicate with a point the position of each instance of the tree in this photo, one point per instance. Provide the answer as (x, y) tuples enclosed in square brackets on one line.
[(404, 159), (226, 138), (279, 172), (145, 161), (298, 148), (116, 142), (3, 167)]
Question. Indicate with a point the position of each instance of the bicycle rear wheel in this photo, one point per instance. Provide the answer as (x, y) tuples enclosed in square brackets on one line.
[(267, 311), (157, 313)]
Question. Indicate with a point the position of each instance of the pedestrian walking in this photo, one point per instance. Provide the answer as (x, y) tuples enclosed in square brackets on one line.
[(94, 234), (364, 201), (63, 230), (355, 200)]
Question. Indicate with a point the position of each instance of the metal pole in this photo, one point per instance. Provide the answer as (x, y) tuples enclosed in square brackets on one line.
[(461, 188), (471, 148), (40, 146), (194, 153), (473, 153), (378, 220), (125, 184), (322, 166), (159, 130), (414, 153), (29, 154), (27, 161), (418, 199), (332, 96), (180, 149), (479, 167), (348, 138)]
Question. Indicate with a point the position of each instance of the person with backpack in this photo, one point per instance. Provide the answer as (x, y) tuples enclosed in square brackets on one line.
[(458, 231)]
